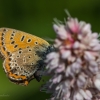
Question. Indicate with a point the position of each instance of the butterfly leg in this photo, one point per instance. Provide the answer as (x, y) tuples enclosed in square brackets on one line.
[(38, 75)]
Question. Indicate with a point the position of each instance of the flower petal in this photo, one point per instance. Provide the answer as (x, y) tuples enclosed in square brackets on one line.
[(65, 54), (60, 30), (88, 56)]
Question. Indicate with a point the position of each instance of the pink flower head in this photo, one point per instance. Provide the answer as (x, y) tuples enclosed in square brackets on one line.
[(74, 65)]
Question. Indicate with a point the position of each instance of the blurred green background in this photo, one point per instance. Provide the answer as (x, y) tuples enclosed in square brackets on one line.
[(36, 17)]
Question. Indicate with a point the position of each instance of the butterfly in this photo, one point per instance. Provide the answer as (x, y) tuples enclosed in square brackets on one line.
[(23, 55)]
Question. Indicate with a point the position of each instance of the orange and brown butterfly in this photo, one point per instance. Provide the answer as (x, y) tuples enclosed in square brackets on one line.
[(23, 55)]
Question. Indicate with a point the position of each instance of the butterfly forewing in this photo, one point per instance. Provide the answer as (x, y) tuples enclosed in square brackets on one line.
[(21, 53)]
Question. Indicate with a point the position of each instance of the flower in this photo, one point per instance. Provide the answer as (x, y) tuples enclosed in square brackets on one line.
[(74, 65)]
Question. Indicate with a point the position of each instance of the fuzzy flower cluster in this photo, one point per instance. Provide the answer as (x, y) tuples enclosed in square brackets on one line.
[(74, 65)]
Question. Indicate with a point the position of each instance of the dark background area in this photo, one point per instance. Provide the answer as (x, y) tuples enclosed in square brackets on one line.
[(36, 17)]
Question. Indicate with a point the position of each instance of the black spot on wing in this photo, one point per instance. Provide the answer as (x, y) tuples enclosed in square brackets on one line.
[(23, 37)]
